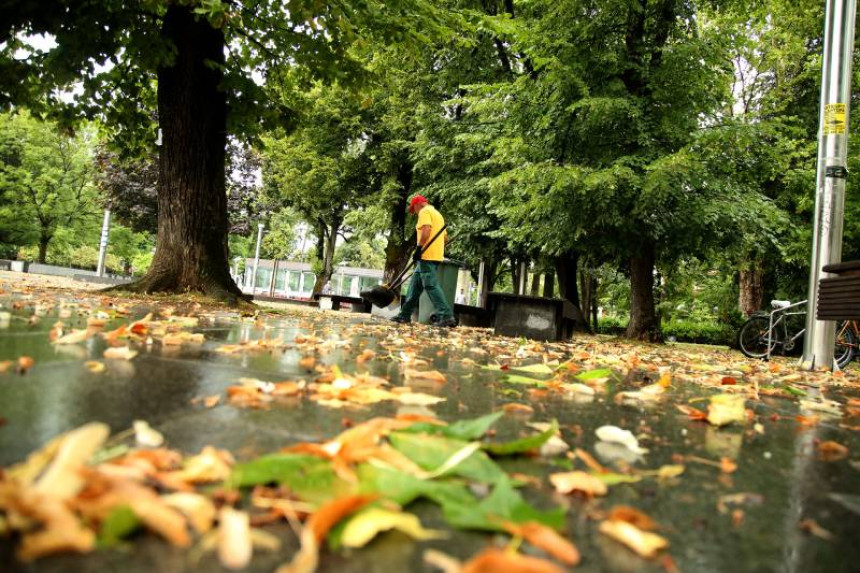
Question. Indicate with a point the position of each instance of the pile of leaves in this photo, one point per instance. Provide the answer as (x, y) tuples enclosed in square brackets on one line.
[(83, 491)]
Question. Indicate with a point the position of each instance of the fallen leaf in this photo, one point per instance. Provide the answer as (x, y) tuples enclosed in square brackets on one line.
[(24, 364), (727, 465), (811, 526), (515, 408), (633, 516), (62, 479), (426, 375), (120, 353), (577, 481), (95, 366), (74, 337), (670, 471), (199, 509), (547, 539), (643, 543), (234, 538), (364, 526), (616, 435), (146, 436), (724, 409), (831, 451), (316, 528), (493, 560), (308, 362)]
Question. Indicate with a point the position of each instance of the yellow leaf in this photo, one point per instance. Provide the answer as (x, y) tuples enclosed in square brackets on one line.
[(74, 337), (643, 543), (725, 409), (120, 353), (569, 482), (362, 528), (234, 538)]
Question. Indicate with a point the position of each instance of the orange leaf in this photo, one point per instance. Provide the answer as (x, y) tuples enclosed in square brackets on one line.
[(25, 363), (728, 466), (831, 451), (514, 408), (693, 413), (728, 381), (633, 516), (546, 538), (327, 516), (493, 560)]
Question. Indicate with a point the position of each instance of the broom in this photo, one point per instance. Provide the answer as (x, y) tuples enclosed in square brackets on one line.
[(383, 295)]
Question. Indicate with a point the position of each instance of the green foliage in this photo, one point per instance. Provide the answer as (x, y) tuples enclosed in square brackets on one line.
[(45, 182), (701, 332)]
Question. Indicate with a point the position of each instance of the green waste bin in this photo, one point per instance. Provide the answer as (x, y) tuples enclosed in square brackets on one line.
[(446, 274)]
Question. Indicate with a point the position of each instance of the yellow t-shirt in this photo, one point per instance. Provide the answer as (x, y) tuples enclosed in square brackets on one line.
[(430, 216)]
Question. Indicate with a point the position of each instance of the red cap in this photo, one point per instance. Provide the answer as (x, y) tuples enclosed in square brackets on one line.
[(417, 200)]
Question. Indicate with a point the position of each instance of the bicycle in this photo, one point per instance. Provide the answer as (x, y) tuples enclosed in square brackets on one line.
[(764, 333)]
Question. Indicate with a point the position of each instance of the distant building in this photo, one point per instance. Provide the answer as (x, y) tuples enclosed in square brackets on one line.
[(295, 280)]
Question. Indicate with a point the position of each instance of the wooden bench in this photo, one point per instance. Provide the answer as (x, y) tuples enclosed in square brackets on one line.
[(357, 304), (839, 296)]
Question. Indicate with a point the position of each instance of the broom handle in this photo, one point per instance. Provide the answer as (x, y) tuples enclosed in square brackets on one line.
[(398, 280)]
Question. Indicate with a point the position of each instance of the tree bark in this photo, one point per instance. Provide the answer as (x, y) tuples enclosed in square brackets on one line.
[(329, 242), (398, 249), (191, 244), (548, 285), (751, 297), (643, 323), (565, 268), (515, 275), (44, 240)]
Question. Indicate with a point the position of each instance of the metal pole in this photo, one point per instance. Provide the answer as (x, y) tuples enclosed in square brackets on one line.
[(481, 271), (832, 172), (260, 227), (103, 243)]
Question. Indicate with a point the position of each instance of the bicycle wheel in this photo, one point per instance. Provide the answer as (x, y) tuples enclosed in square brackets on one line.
[(752, 337), (846, 342)]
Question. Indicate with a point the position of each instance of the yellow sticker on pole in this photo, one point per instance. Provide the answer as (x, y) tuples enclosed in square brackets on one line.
[(834, 119)]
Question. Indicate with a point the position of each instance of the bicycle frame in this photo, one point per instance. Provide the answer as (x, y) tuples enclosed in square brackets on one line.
[(771, 324)]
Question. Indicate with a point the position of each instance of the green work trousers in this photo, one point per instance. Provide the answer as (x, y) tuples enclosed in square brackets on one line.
[(424, 279)]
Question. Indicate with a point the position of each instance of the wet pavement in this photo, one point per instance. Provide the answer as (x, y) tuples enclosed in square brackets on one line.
[(745, 520)]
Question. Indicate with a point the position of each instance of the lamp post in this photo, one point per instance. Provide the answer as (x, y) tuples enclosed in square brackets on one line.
[(832, 172), (260, 227)]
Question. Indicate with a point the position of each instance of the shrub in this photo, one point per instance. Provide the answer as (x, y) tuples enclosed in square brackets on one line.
[(700, 332)]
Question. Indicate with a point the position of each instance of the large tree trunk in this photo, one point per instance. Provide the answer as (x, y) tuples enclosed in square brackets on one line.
[(44, 240), (565, 268), (329, 243), (751, 297), (191, 245), (399, 247), (643, 323)]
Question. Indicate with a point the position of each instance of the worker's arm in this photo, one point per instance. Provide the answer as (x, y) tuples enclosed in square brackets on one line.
[(424, 235)]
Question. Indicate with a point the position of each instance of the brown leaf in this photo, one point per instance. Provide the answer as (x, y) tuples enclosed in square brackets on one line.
[(811, 526), (515, 408), (633, 516), (831, 451), (426, 375), (546, 538), (494, 560), (24, 364), (727, 465)]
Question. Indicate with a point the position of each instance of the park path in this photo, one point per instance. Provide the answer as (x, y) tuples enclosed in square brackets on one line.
[(741, 464)]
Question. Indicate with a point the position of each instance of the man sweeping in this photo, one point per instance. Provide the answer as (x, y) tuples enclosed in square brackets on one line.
[(430, 222)]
